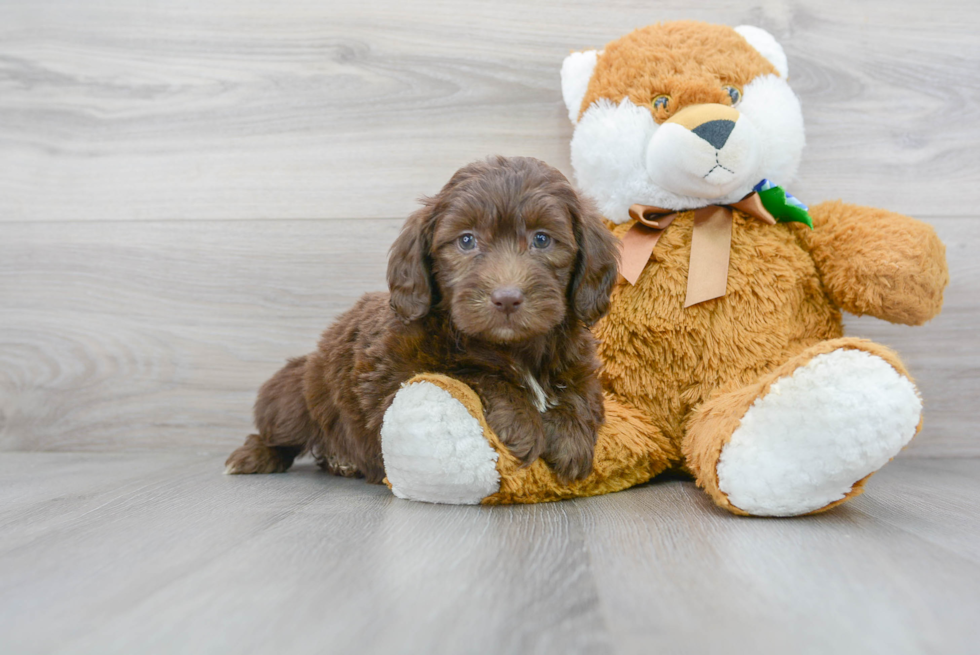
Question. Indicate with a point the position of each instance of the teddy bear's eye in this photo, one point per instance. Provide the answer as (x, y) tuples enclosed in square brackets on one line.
[(734, 94), (661, 102)]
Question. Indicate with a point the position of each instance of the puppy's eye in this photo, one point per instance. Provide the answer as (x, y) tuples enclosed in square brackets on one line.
[(466, 241), (733, 93), (541, 240), (661, 102)]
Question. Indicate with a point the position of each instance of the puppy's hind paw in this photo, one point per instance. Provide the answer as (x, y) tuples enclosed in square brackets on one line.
[(434, 448), (254, 457)]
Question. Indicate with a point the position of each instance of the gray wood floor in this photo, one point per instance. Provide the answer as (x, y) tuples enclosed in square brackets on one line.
[(128, 553)]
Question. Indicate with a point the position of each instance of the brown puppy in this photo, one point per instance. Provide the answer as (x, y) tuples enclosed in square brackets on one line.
[(494, 282)]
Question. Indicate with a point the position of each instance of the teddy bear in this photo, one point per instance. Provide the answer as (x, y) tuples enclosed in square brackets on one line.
[(723, 352)]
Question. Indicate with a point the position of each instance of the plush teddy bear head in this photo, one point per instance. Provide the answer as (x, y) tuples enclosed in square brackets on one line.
[(681, 115)]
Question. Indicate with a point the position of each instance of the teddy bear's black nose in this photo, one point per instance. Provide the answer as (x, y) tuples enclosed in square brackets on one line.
[(715, 132)]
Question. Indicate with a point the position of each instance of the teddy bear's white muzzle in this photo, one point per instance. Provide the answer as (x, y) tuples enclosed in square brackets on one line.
[(709, 161)]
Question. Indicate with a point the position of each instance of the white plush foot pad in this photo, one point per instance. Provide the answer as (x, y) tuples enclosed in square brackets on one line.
[(434, 450), (816, 432)]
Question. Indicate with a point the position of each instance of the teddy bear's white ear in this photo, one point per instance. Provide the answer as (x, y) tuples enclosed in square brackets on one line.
[(767, 46), (576, 71)]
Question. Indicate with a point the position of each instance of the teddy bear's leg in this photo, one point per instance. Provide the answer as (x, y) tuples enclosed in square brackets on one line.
[(434, 446), (438, 448), (805, 437)]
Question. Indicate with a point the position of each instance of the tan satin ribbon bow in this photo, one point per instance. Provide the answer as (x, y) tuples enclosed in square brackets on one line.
[(711, 243)]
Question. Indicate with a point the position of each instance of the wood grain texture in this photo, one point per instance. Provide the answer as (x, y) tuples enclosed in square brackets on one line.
[(841, 582), (246, 109), (160, 553), (170, 326), (143, 335)]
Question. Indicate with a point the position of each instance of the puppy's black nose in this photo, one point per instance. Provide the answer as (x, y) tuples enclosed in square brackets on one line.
[(507, 299), (715, 132)]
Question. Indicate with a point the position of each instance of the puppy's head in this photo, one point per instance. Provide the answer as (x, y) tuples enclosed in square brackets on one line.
[(508, 249)]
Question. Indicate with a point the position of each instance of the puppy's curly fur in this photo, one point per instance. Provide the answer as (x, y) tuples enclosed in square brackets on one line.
[(494, 281)]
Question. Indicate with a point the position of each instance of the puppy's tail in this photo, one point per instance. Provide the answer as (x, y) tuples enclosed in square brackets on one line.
[(285, 426)]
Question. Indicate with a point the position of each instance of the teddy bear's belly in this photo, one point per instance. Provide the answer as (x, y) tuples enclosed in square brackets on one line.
[(666, 360)]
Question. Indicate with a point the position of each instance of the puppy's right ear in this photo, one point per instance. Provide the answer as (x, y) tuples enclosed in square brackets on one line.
[(409, 266), (598, 262)]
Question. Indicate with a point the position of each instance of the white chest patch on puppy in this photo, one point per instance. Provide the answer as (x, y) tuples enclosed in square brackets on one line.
[(542, 401)]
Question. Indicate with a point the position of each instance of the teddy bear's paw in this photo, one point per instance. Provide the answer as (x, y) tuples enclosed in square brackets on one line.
[(816, 433), (435, 450)]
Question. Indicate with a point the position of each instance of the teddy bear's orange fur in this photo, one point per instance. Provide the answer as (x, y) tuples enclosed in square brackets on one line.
[(679, 380), (694, 61)]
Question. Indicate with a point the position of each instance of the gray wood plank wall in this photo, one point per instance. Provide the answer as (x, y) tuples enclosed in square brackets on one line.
[(190, 192)]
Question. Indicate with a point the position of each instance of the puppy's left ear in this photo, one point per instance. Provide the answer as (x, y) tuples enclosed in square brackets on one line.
[(409, 268), (597, 265)]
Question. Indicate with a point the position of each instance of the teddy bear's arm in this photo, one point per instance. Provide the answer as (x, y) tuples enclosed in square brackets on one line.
[(877, 262)]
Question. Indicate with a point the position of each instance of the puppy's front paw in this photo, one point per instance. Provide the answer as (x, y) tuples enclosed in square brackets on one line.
[(519, 428), (570, 466), (570, 446)]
